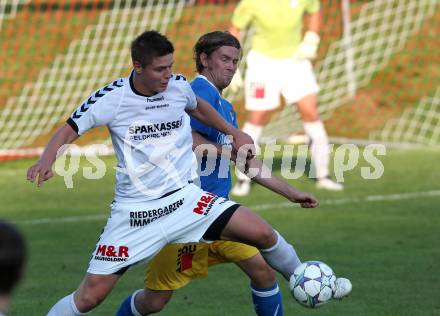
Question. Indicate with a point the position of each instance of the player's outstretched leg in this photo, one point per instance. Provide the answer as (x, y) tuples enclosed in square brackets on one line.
[(90, 293), (247, 227)]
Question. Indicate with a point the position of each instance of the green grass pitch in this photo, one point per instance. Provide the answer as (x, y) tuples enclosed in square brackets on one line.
[(383, 234)]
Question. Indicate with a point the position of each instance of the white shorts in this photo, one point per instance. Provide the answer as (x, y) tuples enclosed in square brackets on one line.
[(267, 78), (135, 232)]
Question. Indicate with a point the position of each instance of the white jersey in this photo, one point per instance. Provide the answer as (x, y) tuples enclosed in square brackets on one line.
[(151, 136)]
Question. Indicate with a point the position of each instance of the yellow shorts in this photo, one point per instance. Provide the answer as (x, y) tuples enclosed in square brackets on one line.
[(177, 264)]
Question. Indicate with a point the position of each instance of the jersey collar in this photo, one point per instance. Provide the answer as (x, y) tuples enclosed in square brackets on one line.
[(137, 91), (204, 77)]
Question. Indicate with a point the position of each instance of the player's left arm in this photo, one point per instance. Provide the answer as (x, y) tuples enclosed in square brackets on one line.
[(242, 17), (314, 22), (308, 48), (265, 178), (206, 114)]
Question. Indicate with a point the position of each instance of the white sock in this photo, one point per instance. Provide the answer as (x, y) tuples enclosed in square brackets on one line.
[(65, 307), (133, 305), (320, 148), (282, 257), (241, 176), (253, 131)]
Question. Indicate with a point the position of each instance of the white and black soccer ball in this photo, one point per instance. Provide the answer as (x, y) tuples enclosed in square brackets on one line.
[(312, 284)]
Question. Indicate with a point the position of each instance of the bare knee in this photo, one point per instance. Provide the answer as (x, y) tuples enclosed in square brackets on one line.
[(311, 116), (247, 227), (267, 238), (259, 117), (308, 108), (88, 299), (93, 290)]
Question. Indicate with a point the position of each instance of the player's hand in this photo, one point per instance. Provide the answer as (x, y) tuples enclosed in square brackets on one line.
[(40, 172), (244, 145), (308, 48), (305, 199)]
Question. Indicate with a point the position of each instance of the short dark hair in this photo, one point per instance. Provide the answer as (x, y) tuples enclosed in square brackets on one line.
[(12, 257), (148, 45), (209, 42)]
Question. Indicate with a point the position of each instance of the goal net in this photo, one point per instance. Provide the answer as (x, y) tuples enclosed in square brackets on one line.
[(380, 83)]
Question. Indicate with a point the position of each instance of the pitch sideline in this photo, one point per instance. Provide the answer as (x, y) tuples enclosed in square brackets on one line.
[(261, 207)]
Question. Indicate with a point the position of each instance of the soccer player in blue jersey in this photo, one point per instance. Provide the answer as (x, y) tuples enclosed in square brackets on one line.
[(217, 55)]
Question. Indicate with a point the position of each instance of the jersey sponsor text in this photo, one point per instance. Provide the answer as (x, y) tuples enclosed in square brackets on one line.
[(205, 203), (185, 256), (111, 253), (143, 218)]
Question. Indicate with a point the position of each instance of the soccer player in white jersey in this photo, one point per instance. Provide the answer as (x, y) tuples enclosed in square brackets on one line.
[(150, 130)]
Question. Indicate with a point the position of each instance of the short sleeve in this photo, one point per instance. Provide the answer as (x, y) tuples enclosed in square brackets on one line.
[(200, 127), (313, 6), (243, 14), (190, 96), (99, 109), (204, 91)]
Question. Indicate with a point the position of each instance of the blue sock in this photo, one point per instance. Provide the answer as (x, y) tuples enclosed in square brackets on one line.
[(125, 308), (267, 302)]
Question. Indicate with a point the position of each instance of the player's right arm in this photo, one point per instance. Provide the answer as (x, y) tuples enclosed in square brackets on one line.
[(206, 114), (42, 170), (99, 108)]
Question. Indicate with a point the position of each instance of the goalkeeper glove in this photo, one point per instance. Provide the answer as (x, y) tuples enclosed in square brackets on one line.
[(236, 83), (308, 48)]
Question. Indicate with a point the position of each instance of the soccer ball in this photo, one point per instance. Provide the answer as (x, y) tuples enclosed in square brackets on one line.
[(312, 284)]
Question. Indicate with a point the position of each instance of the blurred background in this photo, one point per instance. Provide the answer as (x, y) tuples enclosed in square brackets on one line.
[(378, 64), (378, 68)]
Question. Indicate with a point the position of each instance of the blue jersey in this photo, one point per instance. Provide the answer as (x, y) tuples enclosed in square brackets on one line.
[(219, 181)]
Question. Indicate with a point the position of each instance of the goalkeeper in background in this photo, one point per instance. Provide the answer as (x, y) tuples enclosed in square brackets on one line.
[(279, 63)]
